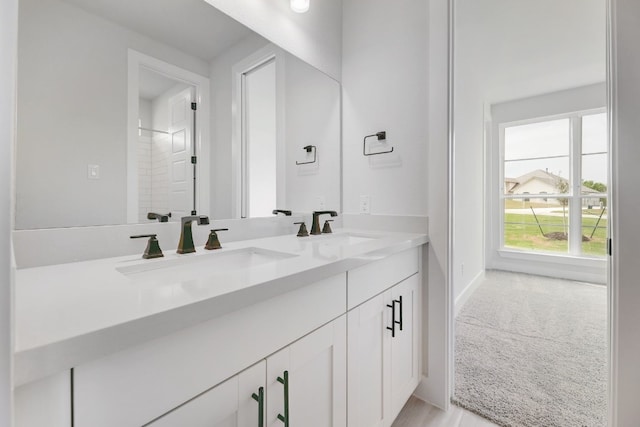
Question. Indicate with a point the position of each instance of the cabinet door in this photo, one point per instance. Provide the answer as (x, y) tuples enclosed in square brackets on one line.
[(369, 363), (230, 404), (312, 393), (405, 346), (46, 402)]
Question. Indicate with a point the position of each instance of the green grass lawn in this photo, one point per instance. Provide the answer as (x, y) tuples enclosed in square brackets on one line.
[(522, 232)]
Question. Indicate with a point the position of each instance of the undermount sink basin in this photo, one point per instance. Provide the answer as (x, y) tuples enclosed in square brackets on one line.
[(197, 266)]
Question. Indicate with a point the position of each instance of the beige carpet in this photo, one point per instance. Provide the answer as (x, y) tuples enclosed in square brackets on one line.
[(531, 351)]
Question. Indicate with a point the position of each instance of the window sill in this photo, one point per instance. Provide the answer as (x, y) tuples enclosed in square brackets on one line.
[(586, 261), (563, 266)]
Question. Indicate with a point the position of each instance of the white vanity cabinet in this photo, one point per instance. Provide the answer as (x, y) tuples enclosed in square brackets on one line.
[(305, 386), (384, 354), (136, 386), (341, 351)]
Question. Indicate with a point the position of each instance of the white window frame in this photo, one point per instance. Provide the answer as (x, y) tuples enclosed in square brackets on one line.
[(571, 104)]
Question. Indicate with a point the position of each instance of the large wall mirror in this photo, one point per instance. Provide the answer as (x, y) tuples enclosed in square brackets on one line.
[(165, 106)]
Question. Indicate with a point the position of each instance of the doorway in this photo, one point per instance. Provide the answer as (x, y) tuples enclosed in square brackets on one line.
[(530, 197), (165, 130), (161, 101), (259, 140), (258, 135)]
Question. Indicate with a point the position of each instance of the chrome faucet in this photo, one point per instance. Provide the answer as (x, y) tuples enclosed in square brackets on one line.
[(315, 225), (186, 246)]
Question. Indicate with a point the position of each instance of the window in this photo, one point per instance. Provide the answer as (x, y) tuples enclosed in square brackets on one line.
[(554, 185)]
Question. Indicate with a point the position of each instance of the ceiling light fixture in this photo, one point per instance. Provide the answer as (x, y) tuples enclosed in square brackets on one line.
[(300, 6)]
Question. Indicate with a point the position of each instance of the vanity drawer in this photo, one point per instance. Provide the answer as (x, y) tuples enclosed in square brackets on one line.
[(135, 386), (369, 280)]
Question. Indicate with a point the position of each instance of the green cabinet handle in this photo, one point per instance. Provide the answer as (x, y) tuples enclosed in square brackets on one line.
[(395, 322), (392, 328), (399, 300), (284, 380), (260, 399)]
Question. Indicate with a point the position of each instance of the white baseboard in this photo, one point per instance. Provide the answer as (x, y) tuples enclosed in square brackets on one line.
[(467, 292), (425, 393)]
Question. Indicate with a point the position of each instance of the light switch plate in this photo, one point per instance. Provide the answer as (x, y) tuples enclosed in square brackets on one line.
[(365, 204), (93, 171)]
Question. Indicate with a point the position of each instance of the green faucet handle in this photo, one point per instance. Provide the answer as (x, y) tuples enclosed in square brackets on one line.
[(327, 227), (153, 246), (302, 232), (213, 242)]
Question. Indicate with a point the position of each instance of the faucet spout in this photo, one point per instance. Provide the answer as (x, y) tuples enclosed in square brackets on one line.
[(159, 217), (315, 225), (185, 245)]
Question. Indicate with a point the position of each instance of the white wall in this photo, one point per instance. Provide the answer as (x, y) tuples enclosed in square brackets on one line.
[(8, 63), (315, 36), (385, 88), (469, 204), (507, 51), (72, 111), (437, 387), (626, 205)]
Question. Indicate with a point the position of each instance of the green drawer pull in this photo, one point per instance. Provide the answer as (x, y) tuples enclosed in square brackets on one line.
[(260, 399), (392, 328), (285, 381), (399, 300)]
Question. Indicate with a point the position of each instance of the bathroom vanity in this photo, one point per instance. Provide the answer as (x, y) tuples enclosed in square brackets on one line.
[(316, 331), (323, 330)]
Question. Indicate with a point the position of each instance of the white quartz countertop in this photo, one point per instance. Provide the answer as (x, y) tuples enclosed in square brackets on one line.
[(70, 314)]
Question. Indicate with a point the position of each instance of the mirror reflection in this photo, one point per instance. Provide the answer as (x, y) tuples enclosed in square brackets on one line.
[(147, 111)]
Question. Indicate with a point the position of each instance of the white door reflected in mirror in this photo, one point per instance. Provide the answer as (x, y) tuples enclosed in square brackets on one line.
[(259, 140)]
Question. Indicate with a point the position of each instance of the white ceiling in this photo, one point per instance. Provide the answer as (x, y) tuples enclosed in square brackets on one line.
[(192, 26), (514, 49)]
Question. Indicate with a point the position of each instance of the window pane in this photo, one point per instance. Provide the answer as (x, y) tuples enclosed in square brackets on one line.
[(594, 229), (594, 133), (538, 176), (543, 139), (540, 224), (594, 173)]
